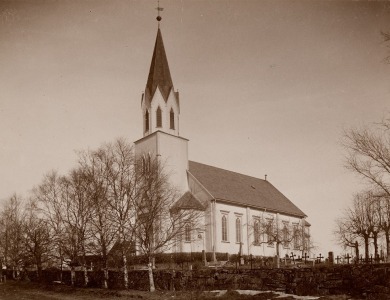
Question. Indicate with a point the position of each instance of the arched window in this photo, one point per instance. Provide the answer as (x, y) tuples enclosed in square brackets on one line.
[(146, 163), (172, 119), (256, 232), (146, 121), (270, 232), (188, 233), (224, 229), (158, 117), (296, 236), (286, 236), (238, 230)]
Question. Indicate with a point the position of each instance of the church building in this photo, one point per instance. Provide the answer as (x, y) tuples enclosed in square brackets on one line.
[(241, 213)]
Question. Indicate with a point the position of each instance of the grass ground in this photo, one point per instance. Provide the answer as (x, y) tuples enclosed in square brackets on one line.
[(12, 290)]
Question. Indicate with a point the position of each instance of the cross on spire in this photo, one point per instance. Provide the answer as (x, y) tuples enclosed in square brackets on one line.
[(158, 12)]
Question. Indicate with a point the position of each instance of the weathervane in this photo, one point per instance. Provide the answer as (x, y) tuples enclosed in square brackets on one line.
[(158, 12)]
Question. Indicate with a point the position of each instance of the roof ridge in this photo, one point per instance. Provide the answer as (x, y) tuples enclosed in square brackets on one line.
[(230, 171)]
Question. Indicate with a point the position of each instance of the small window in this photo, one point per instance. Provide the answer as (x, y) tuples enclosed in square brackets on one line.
[(146, 121), (256, 232), (238, 230), (224, 229), (188, 233), (172, 119), (158, 117)]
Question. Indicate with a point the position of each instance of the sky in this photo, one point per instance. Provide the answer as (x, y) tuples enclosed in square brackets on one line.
[(266, 87)]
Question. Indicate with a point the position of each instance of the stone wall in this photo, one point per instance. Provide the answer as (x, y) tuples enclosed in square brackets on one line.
[(372, 281), (368, 281)]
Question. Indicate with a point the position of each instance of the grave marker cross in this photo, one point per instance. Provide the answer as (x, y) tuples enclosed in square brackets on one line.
[(305, 257), (361, 259), (292, 256), (319, 258), (348, 258), (338, 258)]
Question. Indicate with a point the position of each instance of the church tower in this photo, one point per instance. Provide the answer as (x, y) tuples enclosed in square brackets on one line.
[(160, 117)]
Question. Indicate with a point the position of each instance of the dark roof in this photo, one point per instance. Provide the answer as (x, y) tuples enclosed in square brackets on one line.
[(242, 189), (159, 75), (128, 246), (188, 201)]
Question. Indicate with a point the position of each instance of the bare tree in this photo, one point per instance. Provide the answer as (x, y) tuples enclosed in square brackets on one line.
[(66, 207), (77, 215), (111, 175), (384, 209), (158, 226), (48, 195), (121, 193), (368, 154), (374, 218), (11, 245), (37, 238), (345, 237), (362, 220), (102, 231)]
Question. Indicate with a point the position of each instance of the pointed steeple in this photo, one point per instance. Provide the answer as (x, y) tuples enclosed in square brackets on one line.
[(159, 74)]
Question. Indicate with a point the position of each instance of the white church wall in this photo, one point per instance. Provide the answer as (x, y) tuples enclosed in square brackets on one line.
[(197, 242), (174, 156), (172, 151), (265, 249), (146, 145), (232, 213), (247, 216)]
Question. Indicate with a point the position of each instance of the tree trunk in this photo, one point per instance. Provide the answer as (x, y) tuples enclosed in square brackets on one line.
[(105, 277), (62, 264), (151, 279), (357, 251), (105, 272), (61, 270), (72, 276), (387, 234), (375, 237), (85, 270), (1, 271), (366, 243), (39, 267), (125, 273), (277, 255)]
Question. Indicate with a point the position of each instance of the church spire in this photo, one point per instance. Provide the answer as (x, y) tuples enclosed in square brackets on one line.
[(159, 74), (160, 103)]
